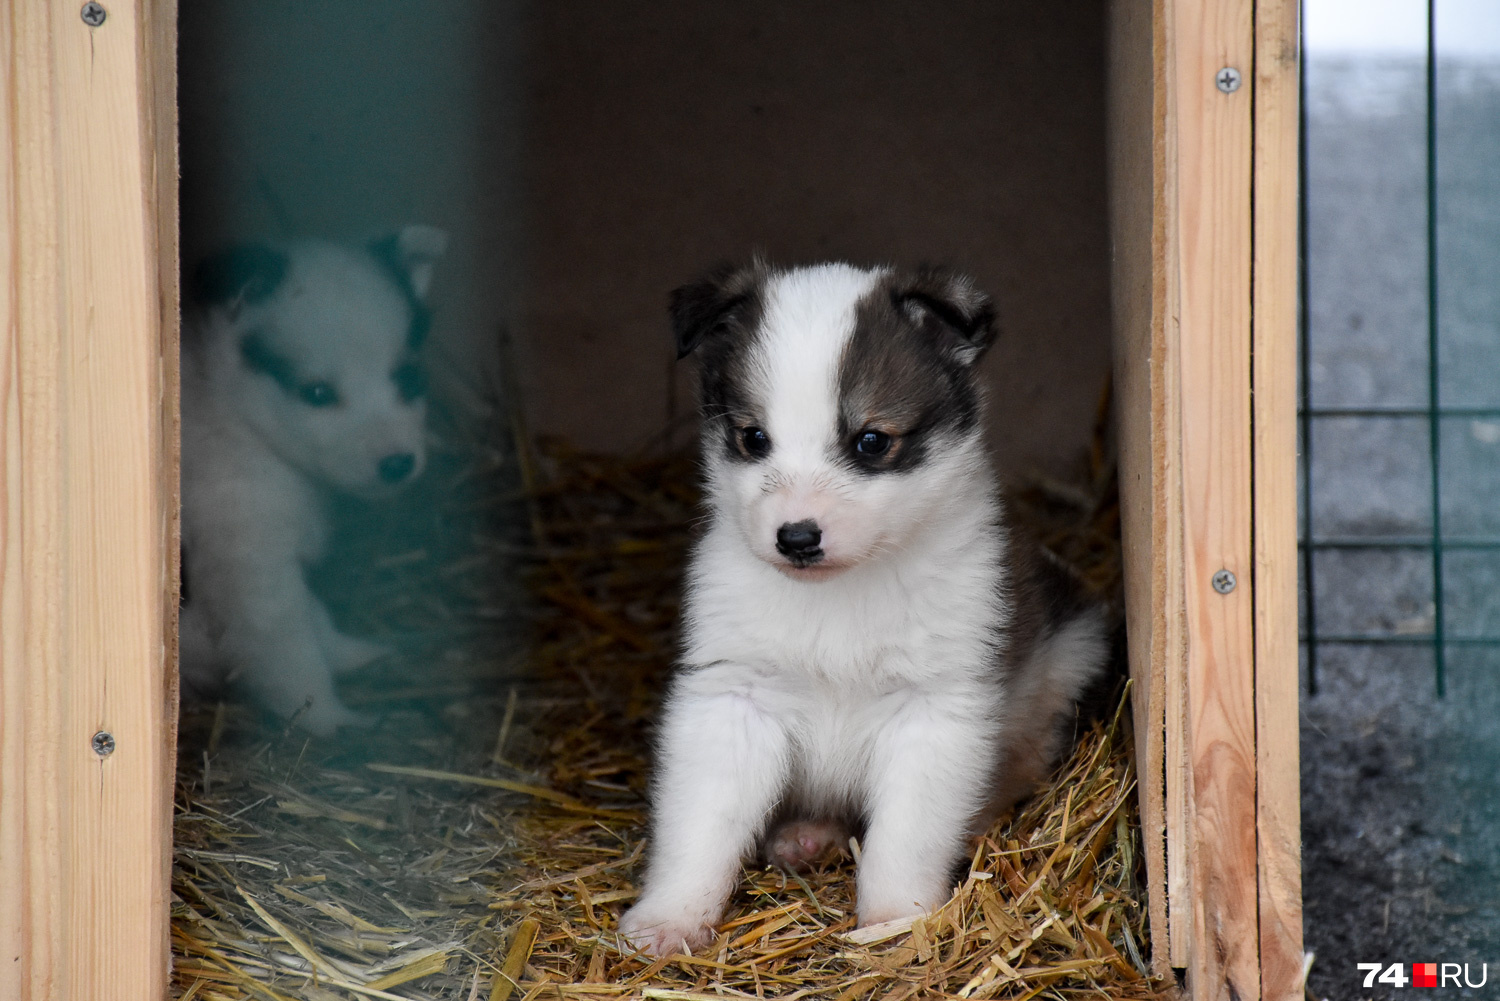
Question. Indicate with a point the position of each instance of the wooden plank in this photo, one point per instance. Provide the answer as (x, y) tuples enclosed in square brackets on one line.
[(87, 331), (1144, 365), (1274, 311), (159, 100), (1175, 741), (30, 922), (1212, 223), (1215, 709), (28, 817)]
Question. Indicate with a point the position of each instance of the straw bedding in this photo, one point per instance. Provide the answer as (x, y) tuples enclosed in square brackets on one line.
[(483, 840)]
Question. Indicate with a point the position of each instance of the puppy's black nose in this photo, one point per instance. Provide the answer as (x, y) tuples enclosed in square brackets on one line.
[(397, 467), (798, 541)]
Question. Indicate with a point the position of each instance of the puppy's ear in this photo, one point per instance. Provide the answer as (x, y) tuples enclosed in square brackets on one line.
[(243, 275), (712, 303), (411, 253), (951, 309)]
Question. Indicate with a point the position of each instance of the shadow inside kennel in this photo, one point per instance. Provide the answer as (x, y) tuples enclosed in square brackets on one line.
[(581, 160)]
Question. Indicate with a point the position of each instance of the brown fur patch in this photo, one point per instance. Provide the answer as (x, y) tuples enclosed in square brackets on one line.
[(718, 317), (907, 369)]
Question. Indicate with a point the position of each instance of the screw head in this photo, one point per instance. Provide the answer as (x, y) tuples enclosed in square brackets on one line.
[(1228, 79), (1224, 581), (104, 743), (93, 14)]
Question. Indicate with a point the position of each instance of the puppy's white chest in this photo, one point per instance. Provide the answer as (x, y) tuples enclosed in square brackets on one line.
[(838, 730), (855, 639)]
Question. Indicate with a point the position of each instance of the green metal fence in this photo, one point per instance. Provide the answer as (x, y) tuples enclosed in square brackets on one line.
[(1436, 541)]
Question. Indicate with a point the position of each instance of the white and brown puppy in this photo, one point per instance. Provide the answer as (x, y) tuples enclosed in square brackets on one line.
[(866, 649), (300, 376)]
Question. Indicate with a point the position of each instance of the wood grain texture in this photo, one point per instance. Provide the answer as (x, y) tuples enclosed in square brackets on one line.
[(1144, 366), (88, 307), (1205, 338), (1274, 311), (159, 100), (1213, 228), (1175, 743)]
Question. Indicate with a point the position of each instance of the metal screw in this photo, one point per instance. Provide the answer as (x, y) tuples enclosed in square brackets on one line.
[(104, 743), (1224, 581), (93, 15), (1228, 79)]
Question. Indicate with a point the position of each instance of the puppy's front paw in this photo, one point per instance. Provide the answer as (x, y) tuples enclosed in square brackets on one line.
[(879, 904), (901, 893), (662, 930), (324, 719), (798, 845), (347, 654), (880, 915)]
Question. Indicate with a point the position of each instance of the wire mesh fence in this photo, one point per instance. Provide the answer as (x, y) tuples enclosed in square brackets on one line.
[(1396, 464)]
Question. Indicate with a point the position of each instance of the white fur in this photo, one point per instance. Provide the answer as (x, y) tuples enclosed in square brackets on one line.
[(872, 683), (257, 464)]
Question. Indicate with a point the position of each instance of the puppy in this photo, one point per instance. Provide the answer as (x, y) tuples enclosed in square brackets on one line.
[(300, 376), (866, 648)]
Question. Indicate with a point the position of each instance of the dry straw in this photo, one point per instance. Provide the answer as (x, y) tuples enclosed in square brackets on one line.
[(483, 840)]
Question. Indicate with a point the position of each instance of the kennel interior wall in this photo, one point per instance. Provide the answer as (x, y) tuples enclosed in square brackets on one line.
[(587, 158), (652, 140)]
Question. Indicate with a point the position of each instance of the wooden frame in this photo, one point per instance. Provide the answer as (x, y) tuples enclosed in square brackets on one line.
[(88, 356), (1203, 212)]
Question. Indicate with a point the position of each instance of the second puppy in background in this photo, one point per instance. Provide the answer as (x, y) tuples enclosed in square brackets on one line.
[(866, 646), (301, 375)]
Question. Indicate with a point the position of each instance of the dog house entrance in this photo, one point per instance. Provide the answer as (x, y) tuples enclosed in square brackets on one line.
[(491, 202)]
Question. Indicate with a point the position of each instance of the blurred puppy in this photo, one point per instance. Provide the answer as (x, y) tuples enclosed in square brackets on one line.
[(300, 375), (866, 648)]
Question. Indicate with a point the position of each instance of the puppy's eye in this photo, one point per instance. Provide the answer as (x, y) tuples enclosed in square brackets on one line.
[(410, 380), (872, 443), (755, 442), (318, 394)]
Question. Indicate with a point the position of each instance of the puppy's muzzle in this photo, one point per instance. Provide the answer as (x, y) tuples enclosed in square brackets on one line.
[(397, 467), (800, 542)]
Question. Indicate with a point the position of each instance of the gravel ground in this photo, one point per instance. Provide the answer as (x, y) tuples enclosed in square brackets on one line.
[(1400, 812)]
